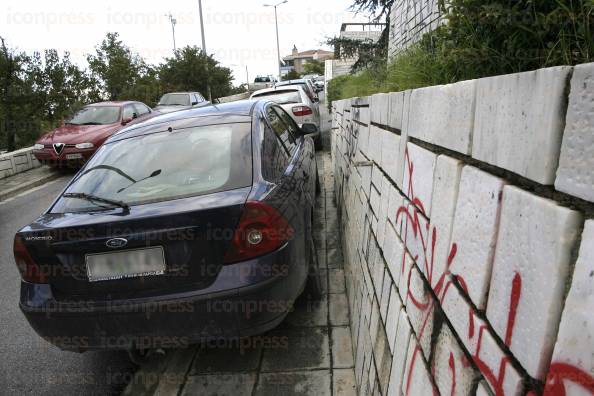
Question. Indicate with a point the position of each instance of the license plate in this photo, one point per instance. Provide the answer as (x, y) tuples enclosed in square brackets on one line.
[(73, 156), (125, 264)]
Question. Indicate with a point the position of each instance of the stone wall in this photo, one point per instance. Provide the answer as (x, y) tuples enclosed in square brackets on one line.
[(17, 161), (409, 20), (467, 215)]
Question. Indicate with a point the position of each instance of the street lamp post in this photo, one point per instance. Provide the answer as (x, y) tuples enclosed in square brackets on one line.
[(173, 23), (204, 51), (277, 40)]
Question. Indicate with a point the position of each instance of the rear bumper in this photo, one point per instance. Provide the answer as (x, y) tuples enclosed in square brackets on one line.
[(174, 320)]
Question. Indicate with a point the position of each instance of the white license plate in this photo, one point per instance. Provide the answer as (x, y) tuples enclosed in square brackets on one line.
[(125, 264), (73, 156)]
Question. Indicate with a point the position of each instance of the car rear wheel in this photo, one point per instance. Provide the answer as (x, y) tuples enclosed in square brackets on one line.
[(141, 356), (313, 289)]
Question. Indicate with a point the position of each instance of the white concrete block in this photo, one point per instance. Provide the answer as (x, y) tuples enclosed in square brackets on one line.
[(374, 150), (446, 183), (394, 307), (419, 167), (575, 175), (403, 336), (530, 270), (415, 231), (419, 307), (461, 315), (475, 230), (444, 115), (393, 252), (390, 155), (385, 297), (405, 273), (403, 139), (451, 370), (396, 201), (417, 379), (519, 122), (379, 105), (374, 200), (383, 210), (505, 380), (483, 389), (395, 110), (573, 357)]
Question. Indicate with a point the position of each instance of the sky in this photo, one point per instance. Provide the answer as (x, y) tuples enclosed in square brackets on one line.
[(239, 33)]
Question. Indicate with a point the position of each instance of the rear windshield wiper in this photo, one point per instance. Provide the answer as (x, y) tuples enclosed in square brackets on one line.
[(94, 198)]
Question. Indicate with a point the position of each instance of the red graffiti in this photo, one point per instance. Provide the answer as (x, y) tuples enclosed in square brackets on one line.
[(561, 372), (442, 286)]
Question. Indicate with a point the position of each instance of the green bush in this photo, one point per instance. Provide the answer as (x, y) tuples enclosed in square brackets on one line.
[(484, 38)]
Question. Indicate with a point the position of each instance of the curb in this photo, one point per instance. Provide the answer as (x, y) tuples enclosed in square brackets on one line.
[(10, 193)]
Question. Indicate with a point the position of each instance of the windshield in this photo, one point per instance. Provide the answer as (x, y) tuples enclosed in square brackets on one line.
[(175, 100), (262, 79), (164, 166), (281, 97), (96, 115)]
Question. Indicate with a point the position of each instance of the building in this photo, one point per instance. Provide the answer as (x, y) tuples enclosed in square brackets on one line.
[(297, 60), (352, 31)]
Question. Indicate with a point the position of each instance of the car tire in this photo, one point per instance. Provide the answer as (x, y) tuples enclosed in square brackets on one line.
[(318, 183), (313, 288), (318, 143)]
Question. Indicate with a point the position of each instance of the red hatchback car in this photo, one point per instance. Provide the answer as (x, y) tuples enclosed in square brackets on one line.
[(72, 144)]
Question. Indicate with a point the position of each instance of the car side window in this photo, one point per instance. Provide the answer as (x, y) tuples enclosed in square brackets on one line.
[(274, 156), (293, 127), (129, 112), (141, 109), (282, 130)]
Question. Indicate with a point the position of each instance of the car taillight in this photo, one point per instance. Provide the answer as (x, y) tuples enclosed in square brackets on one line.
[(302, 111), (30, 271), (261, 230)]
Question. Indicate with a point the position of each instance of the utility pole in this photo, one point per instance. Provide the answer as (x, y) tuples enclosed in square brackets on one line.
[(204, 51), (278, 61), (173, 23)]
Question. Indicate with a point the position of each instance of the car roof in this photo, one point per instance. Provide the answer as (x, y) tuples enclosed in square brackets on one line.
[(288, 82), (181, 93), (113, 103), (279, 88), (232, 112)]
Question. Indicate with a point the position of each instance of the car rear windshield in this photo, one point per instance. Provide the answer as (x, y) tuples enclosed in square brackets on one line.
[(281, 97), (164, 166), (96, 115), (262, 79), (175, 100)]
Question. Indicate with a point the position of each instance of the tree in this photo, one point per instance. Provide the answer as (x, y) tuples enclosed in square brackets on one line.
[(314, 67), (114, 67), (190, 69), (291, 75), (369, 53)]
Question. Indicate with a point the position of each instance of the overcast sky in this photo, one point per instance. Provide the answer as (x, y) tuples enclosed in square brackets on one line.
[(239, 33)]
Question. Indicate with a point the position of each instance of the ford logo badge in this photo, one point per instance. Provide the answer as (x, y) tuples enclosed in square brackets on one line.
[(116, 243)]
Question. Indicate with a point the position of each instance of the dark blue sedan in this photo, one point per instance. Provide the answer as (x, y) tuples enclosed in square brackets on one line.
[(192, 226)]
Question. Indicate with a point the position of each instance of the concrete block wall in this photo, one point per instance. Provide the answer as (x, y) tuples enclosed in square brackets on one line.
[(468, 231), (409, 20), (17, 161)]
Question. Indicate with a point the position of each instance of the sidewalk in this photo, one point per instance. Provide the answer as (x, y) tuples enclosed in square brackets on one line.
[(16, 184), (315, 354)]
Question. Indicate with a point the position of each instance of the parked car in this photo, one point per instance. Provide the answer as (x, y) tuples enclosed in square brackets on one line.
[(76, 141), (192, 226), (262, 82), (294, 100), (307, 86), (176, 101)]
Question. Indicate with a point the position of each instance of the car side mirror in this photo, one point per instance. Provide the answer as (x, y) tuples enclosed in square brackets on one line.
[(316, 100), (309, 129), (127, 120)]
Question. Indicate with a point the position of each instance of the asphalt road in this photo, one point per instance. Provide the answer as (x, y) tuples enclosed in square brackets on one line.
[(28, 364)]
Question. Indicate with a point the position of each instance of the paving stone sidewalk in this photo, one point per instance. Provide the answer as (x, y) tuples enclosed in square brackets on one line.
[(16, 184), (313, 357)]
